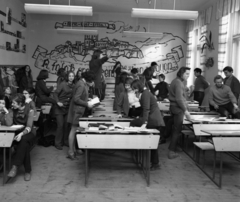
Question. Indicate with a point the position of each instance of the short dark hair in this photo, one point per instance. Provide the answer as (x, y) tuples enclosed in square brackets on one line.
[(30, 90), (153, 63), (217, 77), (181, 71), (129, 80), (96, 54), (89, 76), (198, 70), (137, 84), (134, 71), (61, 72), (162, 76), (228, 68), (19, 98)]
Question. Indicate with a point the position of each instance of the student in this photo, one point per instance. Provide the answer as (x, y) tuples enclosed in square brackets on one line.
[(200, 85), (77, 107), (148, 77), (161, 89), (222, 99), (95, 65), (22, 115), (78, 75), (231, 81), (117, 71), (8, 97), (128, 102), (63, 96), (119, 88), (151, 116), (61, 76), (178, 108), (5, 114), (42, 92), (29, 99), (25, 81), (134, 74)]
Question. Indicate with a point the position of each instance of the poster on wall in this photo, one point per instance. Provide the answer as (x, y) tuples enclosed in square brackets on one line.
[(8, 16), (138, 53)]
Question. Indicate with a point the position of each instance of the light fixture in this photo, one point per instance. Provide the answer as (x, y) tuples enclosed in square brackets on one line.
[(78, 31), (143, 34), (164, 14), (58, 9)]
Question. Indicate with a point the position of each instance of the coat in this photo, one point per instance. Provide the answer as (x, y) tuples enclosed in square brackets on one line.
[(235, 86), (78, 103)]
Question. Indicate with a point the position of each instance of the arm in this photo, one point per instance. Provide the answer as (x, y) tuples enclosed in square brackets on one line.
[(57, 92), (205, 83), (145, 102), (151, 87), (211, 101), (77, 96), (33, 107), (231, 96), (103, 60), (179, 97)]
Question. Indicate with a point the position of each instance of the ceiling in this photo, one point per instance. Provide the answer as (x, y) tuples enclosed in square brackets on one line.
[(125, 6)]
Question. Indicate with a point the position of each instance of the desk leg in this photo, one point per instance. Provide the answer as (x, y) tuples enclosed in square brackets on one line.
[(4, 165), (148, 166), (220, 177), (86, 166), (10, 158)]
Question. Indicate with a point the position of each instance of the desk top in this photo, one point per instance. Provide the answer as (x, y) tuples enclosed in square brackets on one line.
[(11, 128), (105, 119), (222, 132), (227, 121), (120, 132)]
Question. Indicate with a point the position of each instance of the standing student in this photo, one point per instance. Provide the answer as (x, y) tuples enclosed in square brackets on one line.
[(148, 77), (63, 96), (25, 80), (61, 76), (29, 100), (200, 85), (95, 65), (77, 108), (231, 81), (117, 71), (42, 91), (22, 115), (161, 89), (151, 116), (178, 108), (119, 88)]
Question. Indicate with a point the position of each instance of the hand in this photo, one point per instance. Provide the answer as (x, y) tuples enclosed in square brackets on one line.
[(89, 99), (188, 115), (144, 126), (90, 105), (235, 107), (119, 115), (60, 104), (5, 109), (216, 107), (18, 137), (109, 53)]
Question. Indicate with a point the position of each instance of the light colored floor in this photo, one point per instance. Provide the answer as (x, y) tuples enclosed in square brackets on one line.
[(56, 178)]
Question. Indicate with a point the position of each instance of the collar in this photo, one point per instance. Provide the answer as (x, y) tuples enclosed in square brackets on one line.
[(28, 100)]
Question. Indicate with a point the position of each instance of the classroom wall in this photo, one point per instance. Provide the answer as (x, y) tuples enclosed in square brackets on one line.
[(13, 34), (49, 49)]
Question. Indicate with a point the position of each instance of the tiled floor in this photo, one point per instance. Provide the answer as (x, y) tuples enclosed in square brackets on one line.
[(113, 177)]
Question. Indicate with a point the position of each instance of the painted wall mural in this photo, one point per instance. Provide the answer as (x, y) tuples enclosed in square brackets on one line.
[(75, 55)]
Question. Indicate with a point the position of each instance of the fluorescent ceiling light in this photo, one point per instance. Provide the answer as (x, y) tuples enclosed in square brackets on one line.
[(58, 9), (143, 34), (78, 31), (164, 14)]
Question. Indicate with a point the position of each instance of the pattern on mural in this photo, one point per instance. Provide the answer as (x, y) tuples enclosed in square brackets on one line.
[(75, 56), (23, 18)]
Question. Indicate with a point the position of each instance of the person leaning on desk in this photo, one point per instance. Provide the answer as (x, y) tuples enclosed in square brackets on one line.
[(22, 115), (151, 116)]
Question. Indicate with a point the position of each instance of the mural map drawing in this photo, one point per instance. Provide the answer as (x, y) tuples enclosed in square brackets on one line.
[(76, 55)]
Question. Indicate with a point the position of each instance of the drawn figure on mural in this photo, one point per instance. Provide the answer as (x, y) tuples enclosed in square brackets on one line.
[(8, 46), (95, 65), (23, 19)]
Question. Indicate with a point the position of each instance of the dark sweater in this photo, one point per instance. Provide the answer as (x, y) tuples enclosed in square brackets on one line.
[(95, 65), (177, 95), (162, 87), (235, 86), (200, 84)]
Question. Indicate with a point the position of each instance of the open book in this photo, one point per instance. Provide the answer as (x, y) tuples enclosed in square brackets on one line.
[(94, 101)]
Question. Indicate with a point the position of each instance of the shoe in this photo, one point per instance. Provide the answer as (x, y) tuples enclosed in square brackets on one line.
[(162, 141), (155, 167), (13, 172), (58, 147), (71, 156), (172, 155), (27, 176)]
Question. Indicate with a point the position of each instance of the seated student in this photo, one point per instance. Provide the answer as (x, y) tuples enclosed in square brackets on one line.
[(5, 114), (42, 92), (22, 115), (161, 89), (119, 88), (29, 100), (222, 99), (7, 97), (134, 74), (128, 102), (151, 117)]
